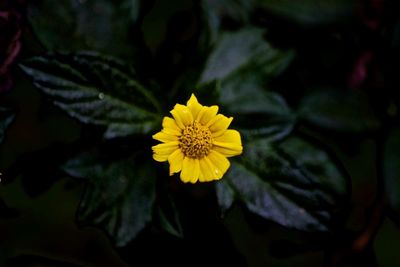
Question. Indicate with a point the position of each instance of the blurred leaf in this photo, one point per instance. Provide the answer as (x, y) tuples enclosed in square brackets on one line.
[(226, 194), (216, 12), (133, 6), (96, 90), (294, 184), (70, 25), (341, 111), (6, 117), (391, 170), (244, 50), (309, 12), (119, 197), (169, 218)]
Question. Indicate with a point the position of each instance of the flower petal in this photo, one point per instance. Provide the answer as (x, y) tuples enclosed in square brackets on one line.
[(206, 114), (185, 173), (175, 161), (165, 137), (194, 105), (190, 170), (206, 172), (196, 171), (216, 172), (226, 143), (160, 158), (170, 126), (166, 148), (209, 170), (201, 176), (230, 136), (219, 125), (182, 115), (229, 144), (219, 161)]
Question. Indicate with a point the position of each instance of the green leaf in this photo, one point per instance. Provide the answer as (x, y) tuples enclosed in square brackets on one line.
[(294, 184), (256, 112), (244, 50), (225, 194), (101, 25), (340, 111), (243, 63), (309, 12), (133, 8), (119, 197), (96, 90), (391, 169), (168, 216), (215, 12), (6, 118)]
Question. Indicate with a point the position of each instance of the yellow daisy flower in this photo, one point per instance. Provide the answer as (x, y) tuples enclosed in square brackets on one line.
[(197, 142)]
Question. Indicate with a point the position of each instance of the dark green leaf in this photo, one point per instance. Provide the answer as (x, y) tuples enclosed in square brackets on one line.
[(244, 50), (85, 24), (217, 11), (243, 63), (96, 90), (294, 184), (257, 112), (341, 111), (6, 117), (391, 169), (169, 220), (168, 226), (225, 194), (309, 12), (119, 197)]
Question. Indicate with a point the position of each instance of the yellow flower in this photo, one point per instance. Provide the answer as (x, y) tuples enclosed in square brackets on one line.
[(197, 142)]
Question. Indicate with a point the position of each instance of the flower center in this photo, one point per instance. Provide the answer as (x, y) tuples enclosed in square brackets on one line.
[(195, 141)]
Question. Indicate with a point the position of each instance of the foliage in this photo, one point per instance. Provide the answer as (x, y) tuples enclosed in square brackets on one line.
[(284, 70), (95, 90), (120, 194), (293, 184)]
